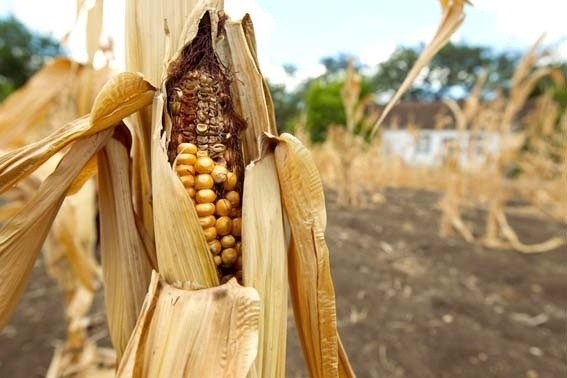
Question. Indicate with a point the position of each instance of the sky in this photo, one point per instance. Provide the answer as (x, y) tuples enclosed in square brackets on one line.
[(302, 32)]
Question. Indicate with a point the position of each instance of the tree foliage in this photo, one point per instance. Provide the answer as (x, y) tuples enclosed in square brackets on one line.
[(22, 53)]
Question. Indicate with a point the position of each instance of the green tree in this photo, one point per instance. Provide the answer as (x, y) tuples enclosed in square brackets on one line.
[(22, 53)]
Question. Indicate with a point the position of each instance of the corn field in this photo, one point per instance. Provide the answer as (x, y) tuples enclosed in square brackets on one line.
[(166, 192)]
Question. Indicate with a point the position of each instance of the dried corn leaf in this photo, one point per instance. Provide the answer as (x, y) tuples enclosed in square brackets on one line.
[(265, 262), (121, 96), (28, 105), (126, 263), (182, 251), (453, 17), (22, 236), (312, 291), (206, 333), (69, 248)]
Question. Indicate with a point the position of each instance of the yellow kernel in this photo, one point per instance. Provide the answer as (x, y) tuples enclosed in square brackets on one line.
[(233, 197), (205, 196), (215, 247), (204, 182), (231, 181), (208, 221), (205, 209), (237, 226), (204, 165), (228, 241), (229, 256), (219, 174), (217, 259), (223, 225), (184, 170), (210, 233), (186, 159), (186, 148), (223, 207), (191, 192), (202, 153), (187, 181)]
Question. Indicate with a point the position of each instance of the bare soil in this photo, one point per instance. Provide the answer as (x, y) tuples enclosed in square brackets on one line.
[(410, 304)]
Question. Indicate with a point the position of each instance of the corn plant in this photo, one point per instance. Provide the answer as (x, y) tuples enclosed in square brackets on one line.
[(187, 159)]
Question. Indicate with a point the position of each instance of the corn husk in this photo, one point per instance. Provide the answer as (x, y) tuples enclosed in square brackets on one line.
[(126, 261), (312, 291), (209, 333), (265, 262)]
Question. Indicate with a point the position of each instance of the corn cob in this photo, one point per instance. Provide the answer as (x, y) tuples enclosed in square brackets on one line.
[(205, 147)]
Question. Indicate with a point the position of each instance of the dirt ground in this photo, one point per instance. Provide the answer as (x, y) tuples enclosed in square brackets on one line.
[(410, 304)]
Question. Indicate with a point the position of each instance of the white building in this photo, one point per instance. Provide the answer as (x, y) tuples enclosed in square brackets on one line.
[(423, 133)]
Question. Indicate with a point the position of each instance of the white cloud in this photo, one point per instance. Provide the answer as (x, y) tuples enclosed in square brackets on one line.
[(525, 21)]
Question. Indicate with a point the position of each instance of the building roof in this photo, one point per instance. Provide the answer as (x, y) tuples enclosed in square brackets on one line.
[(432, 115)]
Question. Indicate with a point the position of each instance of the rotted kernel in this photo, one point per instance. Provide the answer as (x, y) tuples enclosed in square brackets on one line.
[(186, 148), (231, 181), (186, 159), (237, 226), (228, 241), (229, 256), (204, 164), (238, 263), (235, 212), (210, 234), (233, 197), (223, 207), (187, 181), (205, 196), (217, 259), (223, 225), (202, 128), (238, 247), (219, 174), (184, 170), (202, 153), (204, 181), (208, 221), (205, 209), (215, 247)]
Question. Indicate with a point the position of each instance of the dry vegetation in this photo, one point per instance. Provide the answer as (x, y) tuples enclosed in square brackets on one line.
[(534, 143)]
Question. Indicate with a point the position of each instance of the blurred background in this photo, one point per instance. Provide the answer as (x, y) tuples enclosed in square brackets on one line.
[(446, 225)]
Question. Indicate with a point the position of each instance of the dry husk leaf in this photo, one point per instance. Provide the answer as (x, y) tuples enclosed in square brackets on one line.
[(206, 333), (126, 263), (265, 262), (121, 96), (312, 291)]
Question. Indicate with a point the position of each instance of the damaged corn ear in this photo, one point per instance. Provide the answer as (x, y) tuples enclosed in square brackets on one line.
[(205, 146)]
